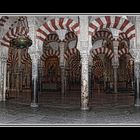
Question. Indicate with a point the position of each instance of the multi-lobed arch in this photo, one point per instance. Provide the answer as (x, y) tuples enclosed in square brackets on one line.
[(66, 23), (57, 24), (112, 22)]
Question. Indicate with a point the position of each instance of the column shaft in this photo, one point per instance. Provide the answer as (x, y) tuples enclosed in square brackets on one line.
[(4, 84), (34, 94), (85, 84), (62, 81), (137, 84), (62, 66), (115, 80), (3, 78)]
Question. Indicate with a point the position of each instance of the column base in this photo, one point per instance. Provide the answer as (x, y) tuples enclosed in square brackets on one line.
[(137, 103), (34, 105), (2, 100), (84, 108)]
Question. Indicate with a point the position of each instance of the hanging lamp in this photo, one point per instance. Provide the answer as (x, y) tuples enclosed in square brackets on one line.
[(22, 40)]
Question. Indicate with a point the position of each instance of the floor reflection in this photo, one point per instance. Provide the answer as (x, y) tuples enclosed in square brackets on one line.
[(116, 109)]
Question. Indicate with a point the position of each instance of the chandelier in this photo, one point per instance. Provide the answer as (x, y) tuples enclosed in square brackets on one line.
[(22, 40)]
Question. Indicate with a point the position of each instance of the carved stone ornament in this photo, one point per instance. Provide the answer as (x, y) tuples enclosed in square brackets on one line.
[(135, 54), (115, 62), (4, 59), (35, 57)]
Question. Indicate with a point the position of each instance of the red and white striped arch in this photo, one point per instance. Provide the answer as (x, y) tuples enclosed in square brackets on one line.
[(103, 50), (12, 57), (74, 65), (26, 59), (98, 67), (3, 20), (123, 51), (11, 34), (103, 35), (51, 38), (70, 36), (71, 52), (112, 22), (57, 24), (122, 36), (49, 53)]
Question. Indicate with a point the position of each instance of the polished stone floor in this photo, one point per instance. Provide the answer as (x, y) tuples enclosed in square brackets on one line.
[(105, 109)]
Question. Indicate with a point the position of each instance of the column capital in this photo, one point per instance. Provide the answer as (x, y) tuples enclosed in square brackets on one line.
[(4, 59), (115, 43), (62, 66), (62, 51), (115, 66), (35, 56), (61, 44), (61, 33), (115, 62)]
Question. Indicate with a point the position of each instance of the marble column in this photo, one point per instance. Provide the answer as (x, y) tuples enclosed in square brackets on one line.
[(135, 52), (85, 83), (66, 79), (90, 80), (19, 72), (83, 45), (3, 77), (8, 80), (132, 73), (35, 51), (34, 94), (62, 81), (61, 33), (115, 64), (62, 66), (115, 71), (137, 83)]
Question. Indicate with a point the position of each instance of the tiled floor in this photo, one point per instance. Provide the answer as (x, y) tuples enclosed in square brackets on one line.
[(105, 109)]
